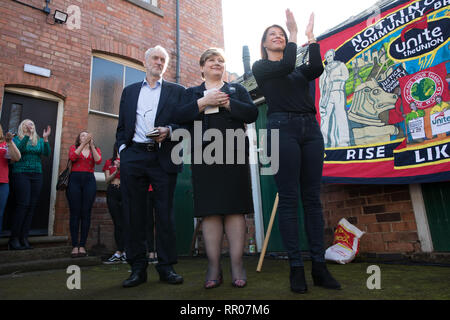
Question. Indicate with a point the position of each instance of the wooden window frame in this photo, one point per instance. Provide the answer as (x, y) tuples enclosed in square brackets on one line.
[(147, 6), (99, 176)]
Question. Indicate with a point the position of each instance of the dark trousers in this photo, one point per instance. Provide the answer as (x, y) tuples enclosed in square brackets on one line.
[(4, 192), (81, 193), (114, 201), (150, 222), (27, 189), (138, 169), (301, 153)]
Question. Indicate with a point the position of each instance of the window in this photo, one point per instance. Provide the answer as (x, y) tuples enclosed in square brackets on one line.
[(152, 2), (149, 5), (109, 76)]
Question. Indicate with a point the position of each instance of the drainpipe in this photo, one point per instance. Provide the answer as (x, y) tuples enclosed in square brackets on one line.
[(246, 61), (177, 77)]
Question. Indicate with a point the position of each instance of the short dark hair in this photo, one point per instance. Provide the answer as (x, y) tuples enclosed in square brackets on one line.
[(208, 54), (264, 37)]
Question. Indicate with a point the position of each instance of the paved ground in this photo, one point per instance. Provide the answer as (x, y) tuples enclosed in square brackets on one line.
[(104, 282)]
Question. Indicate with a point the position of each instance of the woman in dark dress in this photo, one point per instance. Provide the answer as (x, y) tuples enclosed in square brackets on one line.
[(291, 110), (222, 188)]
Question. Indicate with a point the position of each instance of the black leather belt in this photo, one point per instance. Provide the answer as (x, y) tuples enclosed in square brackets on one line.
[(291, 115), (150, 147)]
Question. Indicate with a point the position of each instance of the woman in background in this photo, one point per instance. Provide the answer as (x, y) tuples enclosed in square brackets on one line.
[(82, 189), (8, 151), (27, 175), (114, 201)]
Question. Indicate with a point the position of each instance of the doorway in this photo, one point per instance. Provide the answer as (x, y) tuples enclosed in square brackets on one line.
[(435, 196), (17, 107)]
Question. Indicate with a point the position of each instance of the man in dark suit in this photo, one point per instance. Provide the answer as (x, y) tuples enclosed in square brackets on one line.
[(146, 159)]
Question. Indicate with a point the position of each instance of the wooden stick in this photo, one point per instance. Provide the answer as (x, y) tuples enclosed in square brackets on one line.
[(269, 230), (194, 236)]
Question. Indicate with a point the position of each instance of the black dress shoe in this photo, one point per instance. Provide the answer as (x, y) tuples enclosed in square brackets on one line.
[(14, 244), (24, 242), (297, 280), (135, 279), (170, 277), (322, 277)]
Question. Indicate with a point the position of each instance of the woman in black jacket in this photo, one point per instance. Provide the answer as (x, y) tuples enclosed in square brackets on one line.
[(220, 171), (291, 110)]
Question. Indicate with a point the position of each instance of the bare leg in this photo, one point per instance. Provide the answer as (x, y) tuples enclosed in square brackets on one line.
[(212, 230), (235, 231)]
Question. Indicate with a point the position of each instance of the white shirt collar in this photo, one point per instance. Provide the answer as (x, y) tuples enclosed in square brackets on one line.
[(158, 82)]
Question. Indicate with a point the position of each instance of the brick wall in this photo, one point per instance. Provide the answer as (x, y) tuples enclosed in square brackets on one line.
[(115, 27), (385, 213)]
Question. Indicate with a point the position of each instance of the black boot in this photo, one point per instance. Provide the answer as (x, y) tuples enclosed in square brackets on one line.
[(14, 244), (136, 278), (24, 242), (297, 279), (322, 277)]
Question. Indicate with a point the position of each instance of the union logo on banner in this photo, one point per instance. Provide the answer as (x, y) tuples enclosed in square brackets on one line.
[(440, 122), (422, 88)]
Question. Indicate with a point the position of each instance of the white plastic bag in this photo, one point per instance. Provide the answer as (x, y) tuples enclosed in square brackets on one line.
[(346, 243)]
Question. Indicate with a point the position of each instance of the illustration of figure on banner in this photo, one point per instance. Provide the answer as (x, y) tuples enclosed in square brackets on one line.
[(415, 124), (369, 101), (440, 118), (334, 123), (398, 114)]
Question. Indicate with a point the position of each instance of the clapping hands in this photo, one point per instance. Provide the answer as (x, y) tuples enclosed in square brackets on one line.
[(8, 137), (47, 133), (117, 164), (291, 24), (310, 28)]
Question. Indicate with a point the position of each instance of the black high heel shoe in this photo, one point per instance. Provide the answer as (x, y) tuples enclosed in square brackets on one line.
[(14, 244)]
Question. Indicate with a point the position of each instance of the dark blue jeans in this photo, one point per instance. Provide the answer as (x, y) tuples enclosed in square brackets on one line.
[(114, 201), (27, 189), (81, 193), (301, 153), (4, 192)]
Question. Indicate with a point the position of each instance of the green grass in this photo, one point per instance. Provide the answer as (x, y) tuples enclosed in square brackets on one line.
[(104, 282)]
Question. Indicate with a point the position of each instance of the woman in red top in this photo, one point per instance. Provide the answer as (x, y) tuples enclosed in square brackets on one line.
[(114, 201), (8, 150), (82, 189)]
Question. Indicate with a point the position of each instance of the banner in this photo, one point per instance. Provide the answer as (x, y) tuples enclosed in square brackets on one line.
[(383, 99)]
